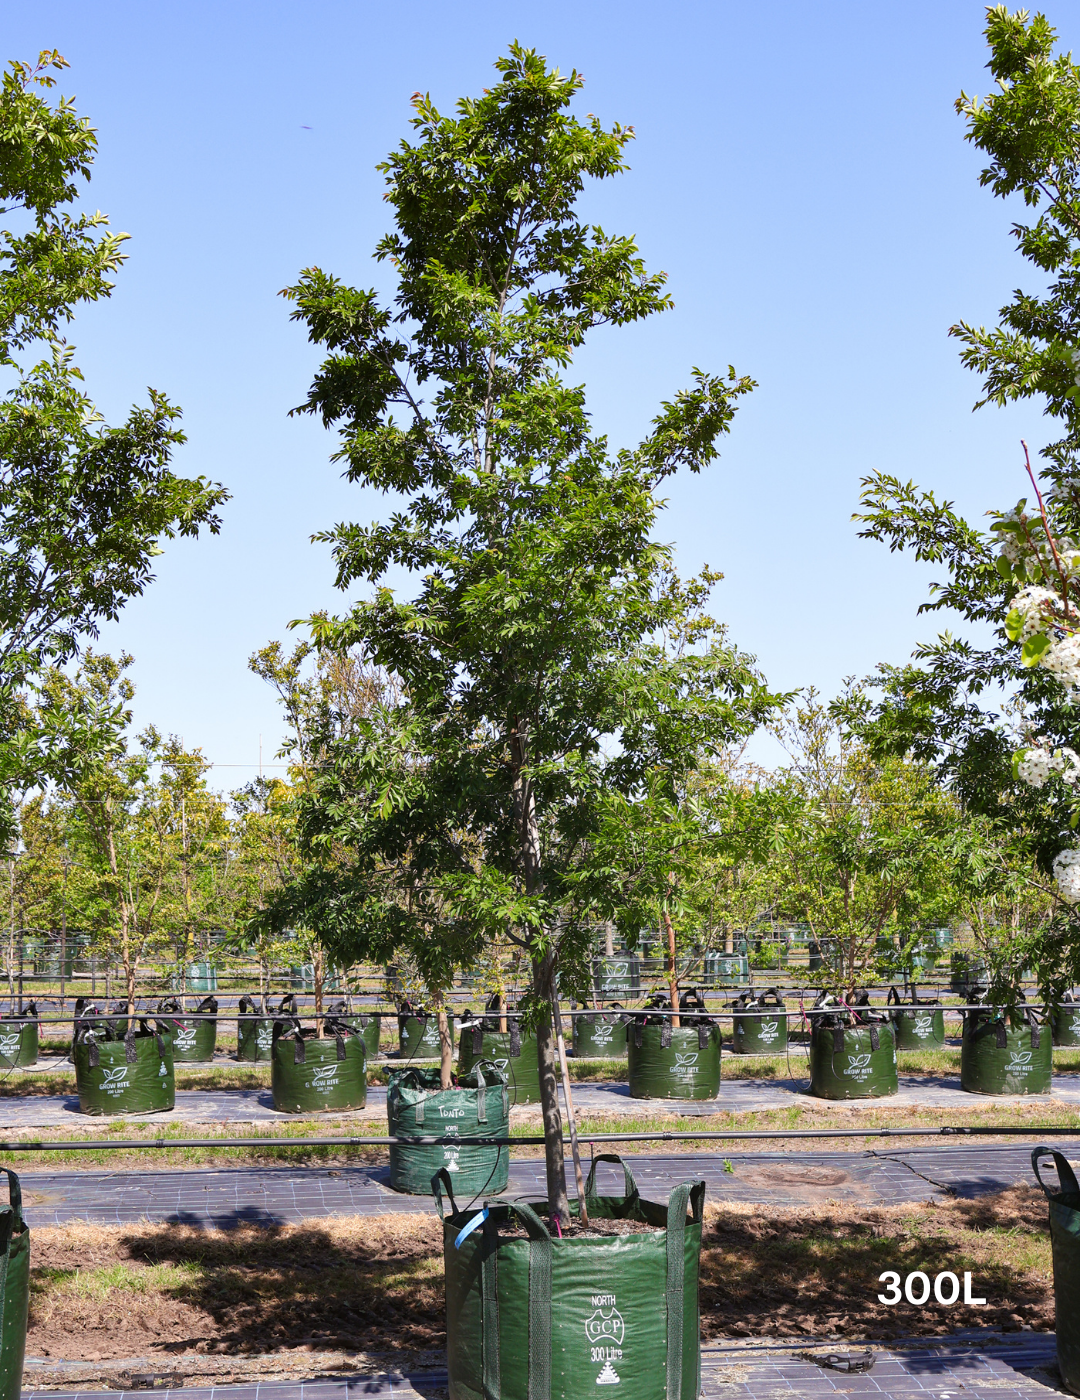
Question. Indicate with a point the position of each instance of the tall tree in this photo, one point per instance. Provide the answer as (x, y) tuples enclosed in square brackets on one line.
[(1019, 582), (531, 652), (83, 506)]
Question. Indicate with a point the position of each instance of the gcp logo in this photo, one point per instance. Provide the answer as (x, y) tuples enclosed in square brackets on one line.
[(605, 1326)]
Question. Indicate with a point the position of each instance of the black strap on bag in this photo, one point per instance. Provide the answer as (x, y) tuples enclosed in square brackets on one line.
[(1067, 1183)]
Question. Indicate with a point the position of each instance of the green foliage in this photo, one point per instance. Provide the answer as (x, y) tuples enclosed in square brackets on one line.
[(143, 842), (83, 506), (548, 663), (946, 708)]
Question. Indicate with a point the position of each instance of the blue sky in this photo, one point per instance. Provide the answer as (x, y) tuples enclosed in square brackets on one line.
[(799, 172)]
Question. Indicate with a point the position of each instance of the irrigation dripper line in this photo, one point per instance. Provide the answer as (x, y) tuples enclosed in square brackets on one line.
[(757, 1135)]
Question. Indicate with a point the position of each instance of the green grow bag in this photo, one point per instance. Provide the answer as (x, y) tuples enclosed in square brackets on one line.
[(254, 1039), (917, 1025), (133, 1075), (852, 1062), (480, 1107), (513, 1051), (1066, 1022), (367, 1025), (198, 977), (617, 976), (14, 1290), (1065, 1247), (600, 1036), (19, 1038), (967, 972), (553, 1319), (996, 1058), (193, 1040), (418, 1037), (726, 969), (311, 1075), (670, 1063), (765, 1029)]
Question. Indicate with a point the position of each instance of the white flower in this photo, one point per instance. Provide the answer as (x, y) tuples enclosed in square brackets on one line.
[(1036, 606), (1063, 659), (1039, 762), (1067, 875)]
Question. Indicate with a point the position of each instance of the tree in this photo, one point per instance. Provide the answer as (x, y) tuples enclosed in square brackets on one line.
[(534, 676), (1009, 762), (83, 506), (863, 850), (145, 875)]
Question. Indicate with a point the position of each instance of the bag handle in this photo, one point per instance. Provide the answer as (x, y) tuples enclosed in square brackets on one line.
[(540, 1251), (1066, 1175), (630, 1186), (15, 1196), (438, 1181), (690, 1194)]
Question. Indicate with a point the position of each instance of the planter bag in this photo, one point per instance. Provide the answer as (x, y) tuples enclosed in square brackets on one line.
[(665, 1063), (726, 969), (996, 1058), (418, 1035), (548, 1318), (193, 1042), (922, 1027), (19, 1037), (765, 1030), (367, 1025), (1065, 1245), (967, 974), (133, 1075), (1066, 1021), (618, 976), (255, 1039), (14, 1290), (416, 1106), (600, 1036), (851, 1057), (312, 1075), (513, 1051)]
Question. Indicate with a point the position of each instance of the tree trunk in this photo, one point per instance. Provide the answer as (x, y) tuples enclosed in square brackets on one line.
[(528, 826), (318, 977), (554, 1152), (446, 1044), (673, 977)]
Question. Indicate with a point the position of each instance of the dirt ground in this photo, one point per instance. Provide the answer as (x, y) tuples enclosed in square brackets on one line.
[(374, 1285)]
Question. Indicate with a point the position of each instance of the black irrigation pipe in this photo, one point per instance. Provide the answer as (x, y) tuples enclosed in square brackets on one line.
[(307, 1013), (757, 1135)]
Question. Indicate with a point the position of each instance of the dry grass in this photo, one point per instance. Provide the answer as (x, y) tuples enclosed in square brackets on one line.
[(375, 1284), (816, 1272), (100, 1294)]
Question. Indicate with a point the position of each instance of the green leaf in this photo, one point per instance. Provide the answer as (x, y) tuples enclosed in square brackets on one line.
[(1035, 648), (1003, 566), (1014, 625)]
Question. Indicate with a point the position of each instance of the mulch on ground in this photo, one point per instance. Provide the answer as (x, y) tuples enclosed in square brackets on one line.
[(375, 1284)]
